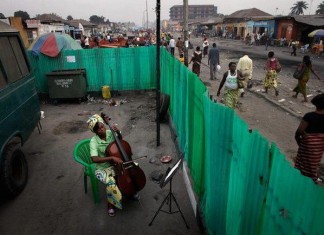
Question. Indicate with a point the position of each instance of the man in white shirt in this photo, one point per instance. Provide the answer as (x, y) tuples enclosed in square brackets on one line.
[(172, 45), (86, 42), (245, 66)]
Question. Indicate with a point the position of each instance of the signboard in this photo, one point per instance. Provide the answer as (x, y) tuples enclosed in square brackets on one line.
[(70, 59), (260, 23), (250, 23)]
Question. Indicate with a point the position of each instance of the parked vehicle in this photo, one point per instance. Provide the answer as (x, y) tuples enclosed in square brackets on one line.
[(19, 111)]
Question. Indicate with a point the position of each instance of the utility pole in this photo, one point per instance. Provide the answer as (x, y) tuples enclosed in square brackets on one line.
[(185, 31), (158, 86), (146, 16), (310, 7)]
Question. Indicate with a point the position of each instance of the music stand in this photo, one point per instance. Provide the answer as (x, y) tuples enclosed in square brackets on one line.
[(168, 176)]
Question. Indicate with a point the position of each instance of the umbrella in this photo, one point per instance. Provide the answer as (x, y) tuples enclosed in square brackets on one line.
[(51, 44), (317, 33)]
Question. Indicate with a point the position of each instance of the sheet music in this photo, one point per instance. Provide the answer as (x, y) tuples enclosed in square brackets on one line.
[(173, 169)]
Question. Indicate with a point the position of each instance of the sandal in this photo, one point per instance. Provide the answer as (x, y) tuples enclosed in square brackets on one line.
[(111, 212)]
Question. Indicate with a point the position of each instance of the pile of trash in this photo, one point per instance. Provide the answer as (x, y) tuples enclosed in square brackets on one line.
[(110, 102)]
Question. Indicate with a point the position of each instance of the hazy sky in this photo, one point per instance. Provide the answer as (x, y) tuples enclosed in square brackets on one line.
[(134, 10)]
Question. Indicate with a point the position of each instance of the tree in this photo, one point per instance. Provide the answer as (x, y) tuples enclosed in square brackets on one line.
[(298, 8), (69, 17), (97, 19), (320, 8), (23, 14), (2, 16)]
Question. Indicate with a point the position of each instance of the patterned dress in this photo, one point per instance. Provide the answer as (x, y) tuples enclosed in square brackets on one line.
[(196, 59), (301, 86), (231, 90), (271, 75), (104, 171), (311, 145)]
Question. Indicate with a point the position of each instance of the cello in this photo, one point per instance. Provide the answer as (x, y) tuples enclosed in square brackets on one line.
[(130, 177)]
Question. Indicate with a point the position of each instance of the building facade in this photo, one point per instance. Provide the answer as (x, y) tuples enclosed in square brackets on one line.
[(194, 12)]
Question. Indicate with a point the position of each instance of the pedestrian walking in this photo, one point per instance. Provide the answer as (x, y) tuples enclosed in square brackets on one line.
[(272, 68), (252, 42), (294, 49), (86, 42), (245, 66), (196, 59), (310, 139), (205, 46), (258, 38), (180, 46), (307, 69), (213, 61), (172, 45), (267, 42), (230, 79)]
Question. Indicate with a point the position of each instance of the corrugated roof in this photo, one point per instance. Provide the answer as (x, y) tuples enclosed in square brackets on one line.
[(314, 20), (205, 5), (75, 23), (212, 21), (248, 13), (7, 28)]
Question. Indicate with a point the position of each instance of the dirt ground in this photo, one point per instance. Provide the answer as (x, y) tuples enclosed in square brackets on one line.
[(54, 201)]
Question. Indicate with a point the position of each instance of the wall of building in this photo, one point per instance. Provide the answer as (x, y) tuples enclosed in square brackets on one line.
[(194, 12), (286, 29), (17, 23), (47, 28)]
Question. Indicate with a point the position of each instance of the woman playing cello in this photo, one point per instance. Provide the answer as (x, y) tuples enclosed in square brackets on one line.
[(104, 170)]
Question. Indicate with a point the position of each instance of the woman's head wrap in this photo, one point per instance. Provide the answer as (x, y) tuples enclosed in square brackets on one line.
[(318, 101), (93, 121)]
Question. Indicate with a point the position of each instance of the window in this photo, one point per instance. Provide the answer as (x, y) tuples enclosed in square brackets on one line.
[(30, 36), (12, 58)]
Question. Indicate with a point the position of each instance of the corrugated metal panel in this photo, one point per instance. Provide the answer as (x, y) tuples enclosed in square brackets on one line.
[(120, 68), (244, 185), (294, 203), (196, 129), (218, 153), (249, 177)]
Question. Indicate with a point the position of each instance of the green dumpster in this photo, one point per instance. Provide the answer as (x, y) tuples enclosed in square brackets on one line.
[(70, 83)]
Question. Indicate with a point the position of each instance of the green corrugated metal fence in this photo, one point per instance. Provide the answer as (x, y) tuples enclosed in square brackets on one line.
[(244, 183), (120, 68)]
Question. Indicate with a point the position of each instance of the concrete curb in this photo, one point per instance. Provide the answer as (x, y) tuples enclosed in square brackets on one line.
[(274, 103)]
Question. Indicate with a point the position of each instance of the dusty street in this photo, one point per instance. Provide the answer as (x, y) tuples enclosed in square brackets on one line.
[(54, 201), (275, 117)]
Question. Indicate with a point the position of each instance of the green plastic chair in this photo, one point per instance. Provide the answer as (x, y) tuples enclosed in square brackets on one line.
[(81, 155)]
